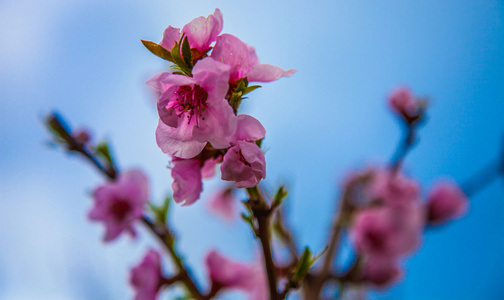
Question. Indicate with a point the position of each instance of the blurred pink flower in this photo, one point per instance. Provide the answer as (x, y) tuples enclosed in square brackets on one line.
[(392, 188), (244, 62), (223, 203), (193, 110), (146, 277), (402, 101), (385, 232), (446, 201), (82, 136), (200, 32), (118, 204), (233, 275), (208, 169), (381, 272), (187, 185)]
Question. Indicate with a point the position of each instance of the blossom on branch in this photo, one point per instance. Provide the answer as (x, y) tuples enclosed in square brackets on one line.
[(118, 204), (244, 163), (146, 276), (193, 110), (446, 201)]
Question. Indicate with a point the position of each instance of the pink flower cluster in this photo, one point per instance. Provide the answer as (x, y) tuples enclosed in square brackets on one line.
[(198, 127), (390, 222), (225, 273)]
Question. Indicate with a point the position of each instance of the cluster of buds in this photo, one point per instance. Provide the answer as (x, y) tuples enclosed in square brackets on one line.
[(199, 126)]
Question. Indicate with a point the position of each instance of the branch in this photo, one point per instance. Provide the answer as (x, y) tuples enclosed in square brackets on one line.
[(262, 213)]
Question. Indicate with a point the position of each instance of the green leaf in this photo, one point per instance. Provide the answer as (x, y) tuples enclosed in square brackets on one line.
[(259, 142), (161, 211), (103, 150), (249, 220), (186, 53), (305, 263), (177, 59), (157, 50), (250, 89), (279, 197)]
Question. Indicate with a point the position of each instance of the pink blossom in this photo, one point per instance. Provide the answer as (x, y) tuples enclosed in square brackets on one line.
[(118, 204), (193, 110), (381, 272), (200, 32), (82, 136), (223, 203), (233, 275), (402, 101), (446, 201), (146, 277), (244, 164), (386, 232), (394, 189), (187, 185), (244, 62), (208, 169)]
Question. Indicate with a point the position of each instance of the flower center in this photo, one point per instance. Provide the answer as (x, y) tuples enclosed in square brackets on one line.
[(190, 101), (120, 208)]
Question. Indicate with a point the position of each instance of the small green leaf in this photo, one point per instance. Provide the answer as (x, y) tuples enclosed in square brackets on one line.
[(157, 50), (103, 150), (259, 142), (303, 266), (161, 212), (279, 197), (250, 89), (249, 220), (177, 59), (186, 53)]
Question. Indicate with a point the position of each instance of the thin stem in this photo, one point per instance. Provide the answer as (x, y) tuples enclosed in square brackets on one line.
[(262, 213), (483, 178), (404, 147), (167, 239)]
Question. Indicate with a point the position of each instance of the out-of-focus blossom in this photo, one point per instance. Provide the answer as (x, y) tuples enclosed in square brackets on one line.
[(394, 189), (200, 32), (193, 110), (403, 103), (229, 274), (446, 201), (187, 185), (244, 62), (223, 203), (118, 204), (384, 232), (208, 169), (381, 272), (82, 136), (146, 277)]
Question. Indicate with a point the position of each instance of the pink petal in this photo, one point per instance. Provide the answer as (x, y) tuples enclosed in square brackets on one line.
[(201, 31), (187, 185), (213, 76), (170, 36), (231, 51), (208, 169), (223, 203), (248, 129), (178, 141), (267, 73)]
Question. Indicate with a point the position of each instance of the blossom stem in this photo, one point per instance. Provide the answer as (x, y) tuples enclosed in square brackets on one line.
[(483, 178), (262, 214), (167, 239), (404, 147)]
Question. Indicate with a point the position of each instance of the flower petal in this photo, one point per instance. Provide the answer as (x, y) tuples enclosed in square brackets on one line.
[(267, 73)]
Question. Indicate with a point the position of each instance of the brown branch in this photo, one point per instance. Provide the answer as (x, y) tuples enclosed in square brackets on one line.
[(262, 213)]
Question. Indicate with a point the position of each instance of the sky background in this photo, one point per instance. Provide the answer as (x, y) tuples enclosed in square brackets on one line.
[(84, 58)]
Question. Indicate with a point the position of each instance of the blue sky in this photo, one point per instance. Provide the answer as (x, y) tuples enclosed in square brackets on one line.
[(85, 59)]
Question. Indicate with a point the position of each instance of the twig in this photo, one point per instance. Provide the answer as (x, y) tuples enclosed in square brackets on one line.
[(404, 147), (262, 213)]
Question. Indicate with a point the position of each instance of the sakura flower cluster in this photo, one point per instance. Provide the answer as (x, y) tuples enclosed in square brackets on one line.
[(198, 122)]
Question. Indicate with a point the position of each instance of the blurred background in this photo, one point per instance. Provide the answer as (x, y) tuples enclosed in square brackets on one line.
[(84, 58)]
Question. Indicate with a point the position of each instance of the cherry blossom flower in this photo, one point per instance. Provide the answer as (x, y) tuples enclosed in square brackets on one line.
[(446, 201), (229, 274), (118, 204), (385, 232), (244, 163), (394, 189), (244, 62), (146, 277), (200, 33), (381, 272), (193, 110), (403, 103), (223, 203)]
